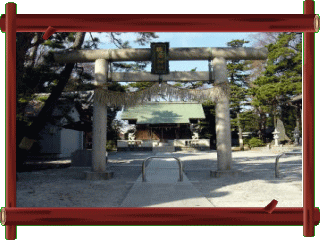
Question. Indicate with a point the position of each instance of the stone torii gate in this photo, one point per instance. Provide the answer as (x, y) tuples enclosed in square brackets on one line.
[(217, 56)]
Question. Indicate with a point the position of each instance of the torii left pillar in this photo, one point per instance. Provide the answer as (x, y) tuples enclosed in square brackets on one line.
[(99, 128), (223, 127)]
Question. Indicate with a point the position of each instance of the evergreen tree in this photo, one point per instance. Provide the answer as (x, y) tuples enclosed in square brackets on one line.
[(32, 79), (237, 74), (281, 80), (37, 72)]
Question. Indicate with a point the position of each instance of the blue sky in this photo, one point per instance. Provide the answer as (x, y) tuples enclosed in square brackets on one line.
[(176, 40), (201, 39)]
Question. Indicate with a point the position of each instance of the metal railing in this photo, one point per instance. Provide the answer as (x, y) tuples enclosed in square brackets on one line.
[(277, 166), (144, 167)]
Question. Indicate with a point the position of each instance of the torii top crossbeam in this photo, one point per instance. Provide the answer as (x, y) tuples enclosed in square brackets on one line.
[(144, 54)]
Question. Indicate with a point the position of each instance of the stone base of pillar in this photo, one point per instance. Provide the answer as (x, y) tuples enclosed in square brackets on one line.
[(98, 175), (225, 173)]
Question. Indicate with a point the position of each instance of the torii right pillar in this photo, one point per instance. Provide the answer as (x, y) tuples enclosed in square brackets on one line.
[(223, 126)]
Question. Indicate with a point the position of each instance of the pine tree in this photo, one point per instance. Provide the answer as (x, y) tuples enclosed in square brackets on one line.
[(237, 73), (37, 73), (281, 80)]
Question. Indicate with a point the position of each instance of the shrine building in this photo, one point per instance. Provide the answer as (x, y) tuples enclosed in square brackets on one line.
[(171, 125)]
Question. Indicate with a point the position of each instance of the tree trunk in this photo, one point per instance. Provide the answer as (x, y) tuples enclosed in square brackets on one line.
[(240, 133), (262, 124), (45, 113)]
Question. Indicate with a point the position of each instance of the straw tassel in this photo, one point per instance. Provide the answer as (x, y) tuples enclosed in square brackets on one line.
[(118, 99)]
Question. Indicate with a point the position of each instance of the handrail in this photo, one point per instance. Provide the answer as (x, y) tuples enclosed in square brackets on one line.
[(144, 168), (278, 158)]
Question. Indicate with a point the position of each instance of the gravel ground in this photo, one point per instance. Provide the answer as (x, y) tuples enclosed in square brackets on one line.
[(57, 184)]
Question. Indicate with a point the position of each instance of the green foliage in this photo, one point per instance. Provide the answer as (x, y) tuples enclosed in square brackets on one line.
[(237, 74), (111, 145), (140, 85), (178, 85), (255, 142), (38, 73), (289, 116), (249, 121), (284, 66), (281, 80), (59, 40), (42, 98)]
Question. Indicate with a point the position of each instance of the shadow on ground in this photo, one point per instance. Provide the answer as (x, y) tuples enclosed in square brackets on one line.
[(59, 184)]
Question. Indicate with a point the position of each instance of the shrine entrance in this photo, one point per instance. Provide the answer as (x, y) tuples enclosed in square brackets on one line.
[(169, 123), (217, 74)]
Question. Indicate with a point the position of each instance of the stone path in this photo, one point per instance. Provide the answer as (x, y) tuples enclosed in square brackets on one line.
[(162, 188), (63, 187)]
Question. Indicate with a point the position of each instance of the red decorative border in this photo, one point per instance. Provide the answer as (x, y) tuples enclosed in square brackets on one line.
[(156, 216), (164, 22), (308, 128), (11, 114), (308, 216)]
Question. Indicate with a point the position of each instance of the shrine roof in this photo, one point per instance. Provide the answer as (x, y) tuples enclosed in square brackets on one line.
[(164, 112)]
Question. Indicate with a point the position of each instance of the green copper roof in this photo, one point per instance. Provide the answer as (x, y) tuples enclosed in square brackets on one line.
[(164, 112)]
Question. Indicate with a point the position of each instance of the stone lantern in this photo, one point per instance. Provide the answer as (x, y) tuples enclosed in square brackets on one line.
[(296, 135), (276, 137)]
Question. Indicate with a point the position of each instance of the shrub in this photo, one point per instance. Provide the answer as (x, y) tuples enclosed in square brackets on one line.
[(111, 145), (255, 142)]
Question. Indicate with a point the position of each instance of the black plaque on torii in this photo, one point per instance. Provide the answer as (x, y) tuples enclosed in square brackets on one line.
[(160, 58)]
